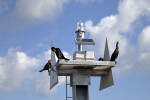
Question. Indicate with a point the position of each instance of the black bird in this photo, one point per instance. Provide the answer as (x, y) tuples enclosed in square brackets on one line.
[(58, 53), (100, 59), (115, 53), (47, 66)]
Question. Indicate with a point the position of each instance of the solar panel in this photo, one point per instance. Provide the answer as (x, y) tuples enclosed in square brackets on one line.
[(85, 41)]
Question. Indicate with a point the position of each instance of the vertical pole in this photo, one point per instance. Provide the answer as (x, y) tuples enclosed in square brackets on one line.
[(79, 47), (66, 87), (82, 92)]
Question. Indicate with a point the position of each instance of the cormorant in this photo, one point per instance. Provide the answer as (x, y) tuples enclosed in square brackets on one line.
[(47, 66), (115, 53), (58, 53), (100, 59)]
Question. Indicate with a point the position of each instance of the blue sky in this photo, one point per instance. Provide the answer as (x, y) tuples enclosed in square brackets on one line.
[(26, 29)]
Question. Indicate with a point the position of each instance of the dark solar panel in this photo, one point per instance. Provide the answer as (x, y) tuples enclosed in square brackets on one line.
[(87, 40)]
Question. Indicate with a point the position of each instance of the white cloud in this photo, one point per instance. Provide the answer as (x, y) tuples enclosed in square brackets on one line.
[(130, 11), (14, 68), (143, 61), (144, 39), (105, 28), (42, 87), (42, 84), (26, 13), (17, 68), (39, 9), (116, 27)]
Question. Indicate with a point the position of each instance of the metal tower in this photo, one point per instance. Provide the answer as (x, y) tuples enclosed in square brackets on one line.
[(82, 67)]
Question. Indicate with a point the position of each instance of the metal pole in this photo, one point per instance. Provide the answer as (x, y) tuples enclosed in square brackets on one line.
[(80, 86), (79, 47), (66, 87)]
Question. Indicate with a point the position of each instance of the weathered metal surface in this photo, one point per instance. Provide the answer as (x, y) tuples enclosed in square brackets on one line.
[(93, 68), (84, 64), (81, 79), (91, 72), (82, 92), (53, 74), (106, 80)]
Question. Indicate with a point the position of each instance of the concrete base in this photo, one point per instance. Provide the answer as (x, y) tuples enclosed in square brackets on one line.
[(83, 55)]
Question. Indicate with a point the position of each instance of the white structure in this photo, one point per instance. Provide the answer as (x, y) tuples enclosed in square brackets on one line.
[(82, 67)]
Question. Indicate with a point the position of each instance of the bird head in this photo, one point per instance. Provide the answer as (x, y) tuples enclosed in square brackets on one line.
[(117, 43), (53, 49), (49, 61)]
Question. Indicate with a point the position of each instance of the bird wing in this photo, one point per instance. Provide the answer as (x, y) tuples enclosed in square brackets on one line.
[(114, 55), (60, 54)]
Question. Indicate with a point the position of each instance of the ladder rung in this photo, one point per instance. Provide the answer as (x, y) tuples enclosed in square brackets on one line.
[(69, 97)]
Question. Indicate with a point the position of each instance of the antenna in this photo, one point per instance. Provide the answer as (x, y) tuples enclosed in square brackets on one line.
[(52, 43)]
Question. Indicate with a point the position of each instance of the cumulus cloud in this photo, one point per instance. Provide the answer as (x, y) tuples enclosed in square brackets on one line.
[(130, 11), (39, 9), (14, 68), (105, 28), (42, 84), (42, 87), (118, 27), (144, 39), (139, 60), (144, 50), (26, 13), (17, 68)]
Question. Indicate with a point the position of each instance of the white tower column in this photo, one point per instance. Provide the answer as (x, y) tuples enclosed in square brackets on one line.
[(80, 34), (79, 47)]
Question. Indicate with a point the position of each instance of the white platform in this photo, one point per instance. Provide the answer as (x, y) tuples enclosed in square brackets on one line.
[(94, 68)]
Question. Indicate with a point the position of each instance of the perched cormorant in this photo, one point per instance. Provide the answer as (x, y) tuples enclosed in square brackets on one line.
[(47, 66), (58, 53), (100, 59), (115, 53)]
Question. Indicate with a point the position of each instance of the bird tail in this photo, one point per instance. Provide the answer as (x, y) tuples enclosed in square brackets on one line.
[(41, 70), (66, 59)]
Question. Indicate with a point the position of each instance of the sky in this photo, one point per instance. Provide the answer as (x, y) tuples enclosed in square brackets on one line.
[(26, 30)]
